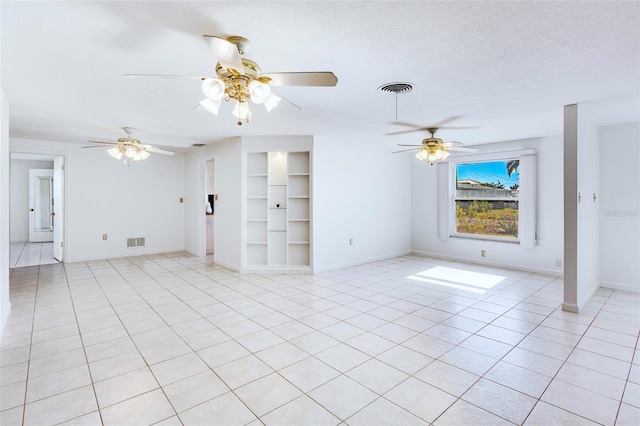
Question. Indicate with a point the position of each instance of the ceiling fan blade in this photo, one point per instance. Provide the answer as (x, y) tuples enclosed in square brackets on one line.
[(415, 126), (403, 132), (226, 53), (404, 144), (287, 101), (94, 146), (185, 77), (404, 150), (106, 143), (420, 128), (320, 78), (157, 150), (452, 143), (458, 148), (440, 123)]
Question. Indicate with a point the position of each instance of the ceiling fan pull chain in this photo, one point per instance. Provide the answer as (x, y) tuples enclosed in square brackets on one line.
[(396, 105)]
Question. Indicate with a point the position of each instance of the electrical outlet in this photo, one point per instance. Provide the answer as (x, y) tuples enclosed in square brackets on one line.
[(350, 241), (104, 236), (558, 262), (483, 253)]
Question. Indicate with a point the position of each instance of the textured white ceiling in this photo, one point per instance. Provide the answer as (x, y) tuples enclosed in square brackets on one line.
[(504, 70)]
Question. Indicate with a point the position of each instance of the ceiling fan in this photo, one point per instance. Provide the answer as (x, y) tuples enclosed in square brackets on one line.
[(433, 149), (129, 147), (241, 79)]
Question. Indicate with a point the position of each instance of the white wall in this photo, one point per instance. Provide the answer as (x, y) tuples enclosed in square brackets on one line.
[(588, 208), (549, 212), (5, 306), (360, 192), (620, 206), (363, 197), (227, 218), (103, 196), (19, 196)]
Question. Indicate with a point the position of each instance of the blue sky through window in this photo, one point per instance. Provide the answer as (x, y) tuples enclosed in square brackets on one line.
[(487, 172)]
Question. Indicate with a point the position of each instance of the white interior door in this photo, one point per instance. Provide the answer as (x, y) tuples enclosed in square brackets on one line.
[(40, 205), (58, 207)]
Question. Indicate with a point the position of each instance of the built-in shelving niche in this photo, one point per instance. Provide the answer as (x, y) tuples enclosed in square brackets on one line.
[(278, 214)]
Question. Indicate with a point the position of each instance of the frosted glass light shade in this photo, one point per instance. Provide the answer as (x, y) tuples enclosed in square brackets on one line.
[(242, 111), (141, 155), (130, 152), (259, 92), (422, 154), (213, 88), (272, 101), (115, 152), (212, 106)]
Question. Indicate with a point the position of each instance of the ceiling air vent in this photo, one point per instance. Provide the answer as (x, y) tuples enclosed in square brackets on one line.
[(197, 145), (398, 87)]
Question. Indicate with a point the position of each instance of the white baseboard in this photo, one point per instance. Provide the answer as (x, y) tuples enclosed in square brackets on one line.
[(359, 262), (226, 264), (4, 319), (525, 268), (192, 252), (620, 286), (298, 270), (570, 307), (585, 299), (134, 251)]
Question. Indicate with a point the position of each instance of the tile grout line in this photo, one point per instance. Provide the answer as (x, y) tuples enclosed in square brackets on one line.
[(33, 323), (561, 366)]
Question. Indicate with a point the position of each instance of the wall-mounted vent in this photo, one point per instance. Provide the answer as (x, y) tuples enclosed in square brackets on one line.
[(136, 242)]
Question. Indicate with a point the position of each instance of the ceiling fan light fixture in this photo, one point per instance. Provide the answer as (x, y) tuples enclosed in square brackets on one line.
[(214, 88), (423, 154), (130, 152), (115, 152), (242, 112), (259, 92), (272, 101), (141, 155), (210, 105)]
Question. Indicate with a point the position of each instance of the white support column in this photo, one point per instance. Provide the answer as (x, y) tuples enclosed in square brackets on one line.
[(581, 210)]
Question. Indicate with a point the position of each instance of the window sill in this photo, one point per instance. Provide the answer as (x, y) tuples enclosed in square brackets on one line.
[(486, 238)]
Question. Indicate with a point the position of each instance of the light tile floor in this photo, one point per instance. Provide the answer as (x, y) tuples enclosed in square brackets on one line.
[(24, 253), (174, 339)]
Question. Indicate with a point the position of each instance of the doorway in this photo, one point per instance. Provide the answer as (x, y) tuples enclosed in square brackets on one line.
[(41, 205), (209, 205), (36, 201)]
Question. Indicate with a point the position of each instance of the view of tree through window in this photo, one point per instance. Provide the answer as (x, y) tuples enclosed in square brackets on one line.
[(486, 198)]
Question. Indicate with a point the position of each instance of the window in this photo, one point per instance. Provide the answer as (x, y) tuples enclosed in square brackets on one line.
[(488, 196)]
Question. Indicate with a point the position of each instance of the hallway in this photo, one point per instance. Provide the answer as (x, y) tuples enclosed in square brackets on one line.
[(24, 253)]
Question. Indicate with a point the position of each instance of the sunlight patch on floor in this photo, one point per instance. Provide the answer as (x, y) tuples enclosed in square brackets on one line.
[(461, 279)]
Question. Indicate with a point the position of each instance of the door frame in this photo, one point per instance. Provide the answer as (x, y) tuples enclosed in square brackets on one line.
[(202, 195), (40, 155), (35, 236)]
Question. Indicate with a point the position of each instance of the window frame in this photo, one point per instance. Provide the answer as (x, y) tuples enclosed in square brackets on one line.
[(526, 197)]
